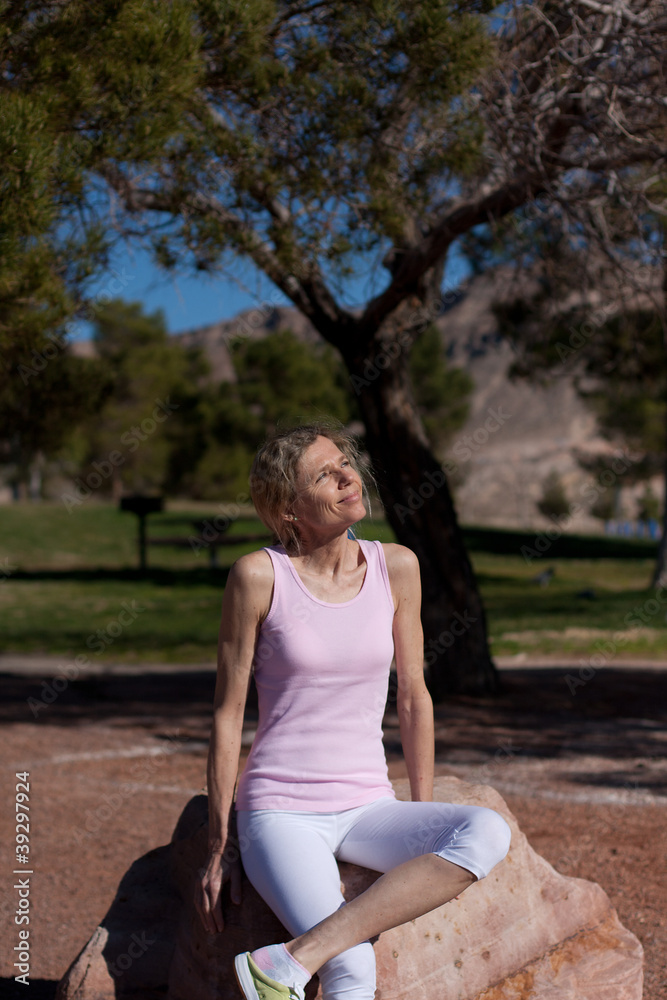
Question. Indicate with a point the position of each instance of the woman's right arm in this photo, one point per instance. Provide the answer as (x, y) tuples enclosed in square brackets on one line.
[(245, 604)]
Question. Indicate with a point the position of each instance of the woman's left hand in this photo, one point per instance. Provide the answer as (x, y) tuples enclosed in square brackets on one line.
[(219, 869)]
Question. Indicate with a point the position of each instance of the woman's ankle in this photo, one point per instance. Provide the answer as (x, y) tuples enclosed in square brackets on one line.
[(279, 964), (302, 954)]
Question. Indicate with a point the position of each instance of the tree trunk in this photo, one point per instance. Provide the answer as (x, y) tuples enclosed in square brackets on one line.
[(36, 473), (418, 504), (660, 572)]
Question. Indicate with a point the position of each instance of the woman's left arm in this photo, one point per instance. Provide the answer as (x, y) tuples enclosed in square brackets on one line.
[(415, 708)]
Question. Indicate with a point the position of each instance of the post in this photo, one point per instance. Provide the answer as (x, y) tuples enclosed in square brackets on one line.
[(142, 541), (141, 506)]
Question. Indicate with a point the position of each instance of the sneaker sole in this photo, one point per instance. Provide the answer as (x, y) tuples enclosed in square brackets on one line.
[(244, 978)]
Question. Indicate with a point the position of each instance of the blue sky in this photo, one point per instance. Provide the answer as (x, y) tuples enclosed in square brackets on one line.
[(190, 301), (187, 300)]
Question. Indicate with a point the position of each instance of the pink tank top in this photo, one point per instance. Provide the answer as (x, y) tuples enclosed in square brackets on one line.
[(322, 673)]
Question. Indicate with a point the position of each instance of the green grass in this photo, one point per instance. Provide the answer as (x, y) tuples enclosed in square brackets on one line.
[(72, 574), (69, 575), (589, 602), (46, 536)]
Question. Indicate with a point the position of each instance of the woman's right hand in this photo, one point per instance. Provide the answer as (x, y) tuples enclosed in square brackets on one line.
[(220, 867)]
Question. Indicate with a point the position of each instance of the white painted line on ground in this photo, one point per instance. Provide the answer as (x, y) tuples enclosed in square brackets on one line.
[(594, 796), (134, 787), (140, 751)]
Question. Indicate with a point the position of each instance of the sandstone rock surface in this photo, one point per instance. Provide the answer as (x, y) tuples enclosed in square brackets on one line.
[(523, 932)]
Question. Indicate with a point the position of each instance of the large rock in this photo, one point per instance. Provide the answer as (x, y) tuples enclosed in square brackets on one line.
[(524, 931)]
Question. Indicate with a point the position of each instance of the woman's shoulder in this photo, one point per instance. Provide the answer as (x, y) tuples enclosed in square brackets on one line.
[(402, 563), (403, 573), (253, 571)]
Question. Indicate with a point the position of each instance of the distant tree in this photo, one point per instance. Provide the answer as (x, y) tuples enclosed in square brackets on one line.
[(208, 459), (648, 505), (279, 381), (43, 397), (616, 358), (626, 382), (442, 391), (624, 378), (605, 507), (283, 381), (554, 502), (151, 377)]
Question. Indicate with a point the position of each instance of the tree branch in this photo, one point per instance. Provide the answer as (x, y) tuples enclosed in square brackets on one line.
[(303, 285), (459, 220)]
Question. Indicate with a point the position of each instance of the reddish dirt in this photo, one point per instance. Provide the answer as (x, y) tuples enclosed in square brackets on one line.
[(115, 758)]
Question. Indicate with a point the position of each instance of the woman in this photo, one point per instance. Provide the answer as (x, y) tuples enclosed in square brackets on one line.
[(319, 618)]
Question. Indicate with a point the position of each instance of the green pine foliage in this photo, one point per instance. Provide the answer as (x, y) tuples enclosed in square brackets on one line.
[(356, 117), (442, 391), (81, 84), (648, 506), (284, 381), (151, 380), (42, 402), (628, 356), (279, 381), (606, 506), (159, 424)]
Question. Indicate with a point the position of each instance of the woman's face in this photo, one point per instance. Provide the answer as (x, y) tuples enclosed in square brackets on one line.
[(329, 490)]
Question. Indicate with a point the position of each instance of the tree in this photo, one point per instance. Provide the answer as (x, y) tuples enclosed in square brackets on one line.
[(554, 502), (321, 133), (278, 381), (613, 349), (150, 376), (44, 396), (80, 82), (281, 380), (442, 392), (648, 507)]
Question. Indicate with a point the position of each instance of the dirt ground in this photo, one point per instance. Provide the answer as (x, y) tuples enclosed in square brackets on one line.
[(115, 756)]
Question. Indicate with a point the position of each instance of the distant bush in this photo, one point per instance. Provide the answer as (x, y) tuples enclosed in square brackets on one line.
[(554, 502), (648, 506), (606, 506)]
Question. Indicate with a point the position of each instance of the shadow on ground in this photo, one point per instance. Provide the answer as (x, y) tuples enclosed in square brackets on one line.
[(617, 713), (39, 989)]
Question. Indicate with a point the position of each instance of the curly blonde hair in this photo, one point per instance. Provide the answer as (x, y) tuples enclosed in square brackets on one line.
[(275, 470)]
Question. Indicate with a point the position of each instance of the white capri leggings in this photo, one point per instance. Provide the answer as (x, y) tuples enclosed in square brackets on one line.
[(290, 858)]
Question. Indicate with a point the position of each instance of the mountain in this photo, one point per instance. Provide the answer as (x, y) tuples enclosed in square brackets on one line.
[(252, 323)]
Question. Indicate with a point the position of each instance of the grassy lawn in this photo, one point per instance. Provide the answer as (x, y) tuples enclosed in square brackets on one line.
[(587, 604), (71, 587)]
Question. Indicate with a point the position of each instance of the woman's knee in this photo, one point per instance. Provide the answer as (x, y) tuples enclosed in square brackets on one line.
[(478, 841), (494, 833)]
